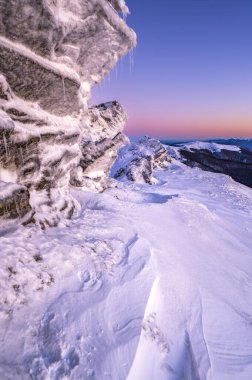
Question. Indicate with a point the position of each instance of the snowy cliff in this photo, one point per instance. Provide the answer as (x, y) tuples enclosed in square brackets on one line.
[(51, 54)]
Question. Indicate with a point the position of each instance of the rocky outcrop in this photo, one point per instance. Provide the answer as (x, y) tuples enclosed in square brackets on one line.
[(61, 47), (137, 161), (14, 201), (51, 54), (38, 152), (99, 154), (237, 163)]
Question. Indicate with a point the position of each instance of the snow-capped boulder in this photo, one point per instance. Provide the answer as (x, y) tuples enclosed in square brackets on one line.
[(227, 159), (51, 54), (137, 160)]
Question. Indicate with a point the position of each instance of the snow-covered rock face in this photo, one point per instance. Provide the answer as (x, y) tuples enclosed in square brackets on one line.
[(63, 44), (137, 161), (99, 150), (51, 54)]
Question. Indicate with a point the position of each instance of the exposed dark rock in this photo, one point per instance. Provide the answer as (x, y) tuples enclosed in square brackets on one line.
[(40, 82), (14, 201)]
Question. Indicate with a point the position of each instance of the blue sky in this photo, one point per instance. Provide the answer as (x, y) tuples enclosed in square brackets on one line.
[(192, 71)]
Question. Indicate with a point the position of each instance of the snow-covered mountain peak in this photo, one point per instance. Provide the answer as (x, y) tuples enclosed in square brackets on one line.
[(212, 147)]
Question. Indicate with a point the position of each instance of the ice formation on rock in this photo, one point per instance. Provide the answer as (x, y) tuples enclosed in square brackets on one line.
[(51, 54), (137, 160), (98, 154)]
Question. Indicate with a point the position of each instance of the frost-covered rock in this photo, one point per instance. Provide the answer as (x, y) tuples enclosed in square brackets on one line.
[(38, 152), (51, 54), (99, 150), (61, 48), (137, 160), (14, 201), (106, 120)]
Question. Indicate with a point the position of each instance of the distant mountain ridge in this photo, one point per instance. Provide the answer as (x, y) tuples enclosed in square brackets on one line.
[(233, 158), (242, 142)]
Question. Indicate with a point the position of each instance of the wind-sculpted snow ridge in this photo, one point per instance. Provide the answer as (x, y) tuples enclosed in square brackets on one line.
[(51, 54), (145, 282), (137, 160)]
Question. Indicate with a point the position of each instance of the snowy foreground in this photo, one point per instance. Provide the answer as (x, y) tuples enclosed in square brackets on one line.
[(145, 283)]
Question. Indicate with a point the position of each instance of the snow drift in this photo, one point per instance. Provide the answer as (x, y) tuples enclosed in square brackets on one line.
[(145, 282)]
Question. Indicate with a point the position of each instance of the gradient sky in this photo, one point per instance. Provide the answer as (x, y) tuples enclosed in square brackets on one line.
[(192, 70)]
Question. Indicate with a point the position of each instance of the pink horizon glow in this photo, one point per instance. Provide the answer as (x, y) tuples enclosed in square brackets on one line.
[(190, 129)]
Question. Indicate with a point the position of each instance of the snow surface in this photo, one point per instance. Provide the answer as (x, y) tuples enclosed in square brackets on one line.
[(213, 147), (146, 282)]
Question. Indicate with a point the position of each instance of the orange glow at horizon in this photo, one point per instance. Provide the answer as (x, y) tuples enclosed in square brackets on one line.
[(190, 129)]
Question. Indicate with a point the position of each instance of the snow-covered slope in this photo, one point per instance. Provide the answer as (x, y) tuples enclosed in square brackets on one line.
[(146, 282)]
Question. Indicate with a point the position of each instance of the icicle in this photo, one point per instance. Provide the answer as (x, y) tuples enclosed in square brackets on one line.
[(121, 64), (21, 153), (131, 60), (116, 72), (64, 89), (17, 208), (5, 146)]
